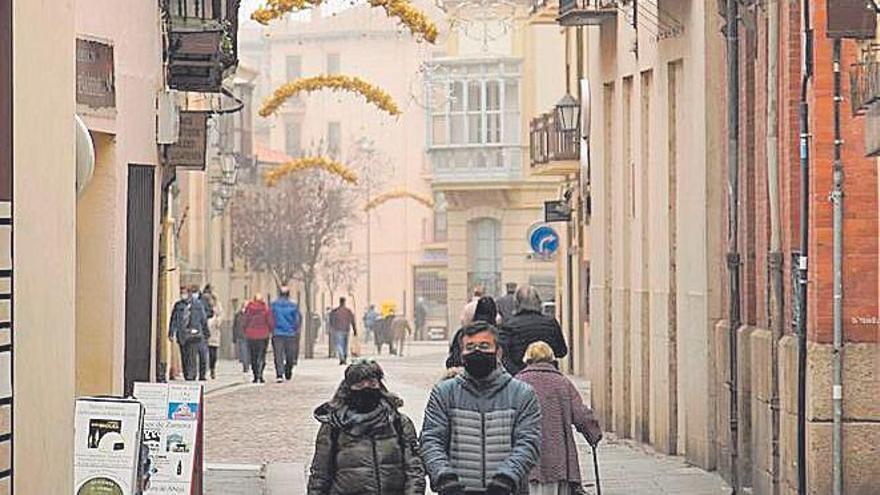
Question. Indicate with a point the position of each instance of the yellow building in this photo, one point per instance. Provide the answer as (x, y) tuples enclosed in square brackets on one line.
[(481, 92), (650, 195)]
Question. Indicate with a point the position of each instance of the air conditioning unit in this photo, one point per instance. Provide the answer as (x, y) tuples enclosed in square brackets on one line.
[(167, 117)]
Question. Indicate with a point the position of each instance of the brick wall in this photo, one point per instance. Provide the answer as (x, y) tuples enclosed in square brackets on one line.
[(860, 231)]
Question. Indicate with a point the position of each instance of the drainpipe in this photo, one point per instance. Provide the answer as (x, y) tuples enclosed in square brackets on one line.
[(733, 257), (837, 202), (802, 256), (774, 258)]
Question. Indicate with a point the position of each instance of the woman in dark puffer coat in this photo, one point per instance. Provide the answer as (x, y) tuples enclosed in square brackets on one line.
[(365, 446), (557, 473)]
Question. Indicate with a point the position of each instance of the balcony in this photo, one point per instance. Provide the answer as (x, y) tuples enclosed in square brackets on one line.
[(551, 151), (202, 43), (475, 163), (586, 12)]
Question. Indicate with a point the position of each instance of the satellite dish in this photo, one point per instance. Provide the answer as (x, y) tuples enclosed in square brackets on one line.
[(85, 155), (585, 109)]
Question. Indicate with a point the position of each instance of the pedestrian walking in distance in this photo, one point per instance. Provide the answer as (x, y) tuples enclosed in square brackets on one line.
[(258, 327), (420, 318), (189, 327), (341, 321), (285, 341), (371, 316), (507, 303), (365, 444), (482, 428), (215, 321), (558, 471), (486, 311), (529, 325), (240, 340), (204, 355), (400, 328)]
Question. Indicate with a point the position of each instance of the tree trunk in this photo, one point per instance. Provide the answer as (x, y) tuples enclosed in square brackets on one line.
[(310, 332)]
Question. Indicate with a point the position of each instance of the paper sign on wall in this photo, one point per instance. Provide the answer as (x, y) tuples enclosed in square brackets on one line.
[(173, 433), (107, 446)]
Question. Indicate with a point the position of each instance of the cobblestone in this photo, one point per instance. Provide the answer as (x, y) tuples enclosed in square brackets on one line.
[(272, 425)]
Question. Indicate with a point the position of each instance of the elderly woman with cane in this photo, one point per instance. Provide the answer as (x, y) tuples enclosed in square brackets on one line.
[(558, 472)]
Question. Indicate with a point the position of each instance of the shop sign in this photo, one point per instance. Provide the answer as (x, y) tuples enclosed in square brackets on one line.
[(95, 82), (189, 150)]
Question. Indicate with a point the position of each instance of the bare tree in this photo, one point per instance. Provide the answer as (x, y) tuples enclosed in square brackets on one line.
[(288, 230)]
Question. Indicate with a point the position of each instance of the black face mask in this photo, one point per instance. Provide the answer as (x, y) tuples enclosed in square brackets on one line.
[(479, 364), (365, 400)]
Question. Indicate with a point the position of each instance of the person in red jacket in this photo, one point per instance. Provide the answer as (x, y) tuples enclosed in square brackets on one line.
[(258, 329)]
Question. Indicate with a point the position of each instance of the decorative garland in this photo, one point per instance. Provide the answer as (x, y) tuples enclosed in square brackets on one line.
[(396, 194), (275, 9), (373, 94), (272, 177), (418, 23)]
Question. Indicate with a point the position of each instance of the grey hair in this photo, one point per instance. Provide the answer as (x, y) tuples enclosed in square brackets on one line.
[(528, 299)]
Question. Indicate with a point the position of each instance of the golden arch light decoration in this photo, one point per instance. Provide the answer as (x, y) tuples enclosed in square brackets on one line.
[(338, 82), (273, 176), (414, 19), (397, 194)]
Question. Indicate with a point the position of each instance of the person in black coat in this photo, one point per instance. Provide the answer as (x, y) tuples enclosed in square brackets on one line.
[(528, 325), (365, 444), (487, 312)]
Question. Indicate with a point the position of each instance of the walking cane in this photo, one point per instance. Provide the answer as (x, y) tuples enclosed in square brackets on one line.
[(596, 470)]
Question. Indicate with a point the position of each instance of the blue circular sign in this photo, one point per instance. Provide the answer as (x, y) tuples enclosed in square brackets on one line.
[(544, 240)]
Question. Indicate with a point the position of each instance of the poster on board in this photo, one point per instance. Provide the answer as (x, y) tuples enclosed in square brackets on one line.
[(108, 436), (173, 434)]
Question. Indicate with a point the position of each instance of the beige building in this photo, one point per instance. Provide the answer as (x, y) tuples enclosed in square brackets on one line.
[(363, 42), (654, 173), (482, 91), (78, 245), (40, 268), (119, 75)]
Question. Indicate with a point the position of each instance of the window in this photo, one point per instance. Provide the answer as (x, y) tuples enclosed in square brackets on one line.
[(476, 104), (333, 63), (485, 255), (334, 138), (475, 112), (293, 139), (294, 67)]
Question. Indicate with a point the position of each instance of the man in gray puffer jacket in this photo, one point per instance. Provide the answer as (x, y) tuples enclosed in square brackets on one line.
[(482, 428)]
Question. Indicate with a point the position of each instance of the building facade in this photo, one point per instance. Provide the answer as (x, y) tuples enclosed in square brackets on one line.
[(386, 152), (759, 406), (655, 205), (647, 184), (37, 408), (118, 79), (481, 92)]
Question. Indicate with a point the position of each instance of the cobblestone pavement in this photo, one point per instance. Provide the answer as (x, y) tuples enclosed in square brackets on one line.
[(271, 425)]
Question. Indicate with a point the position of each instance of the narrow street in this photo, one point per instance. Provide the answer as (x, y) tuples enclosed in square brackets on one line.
[(259, 438)]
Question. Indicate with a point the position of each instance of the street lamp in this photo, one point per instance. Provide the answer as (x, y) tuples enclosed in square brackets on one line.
[(568, 114)]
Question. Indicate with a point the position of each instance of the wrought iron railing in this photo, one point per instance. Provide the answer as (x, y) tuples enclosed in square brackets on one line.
[(203, 42), (864, 85), (547, 143)]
